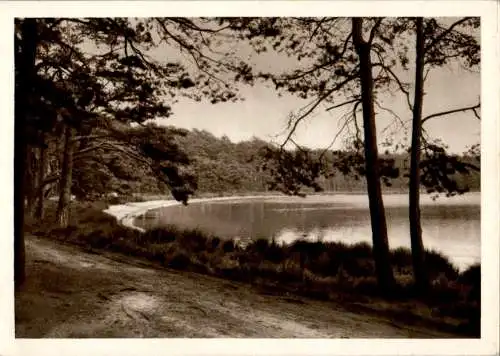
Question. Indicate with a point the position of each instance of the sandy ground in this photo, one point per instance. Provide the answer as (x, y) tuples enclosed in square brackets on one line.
[(70, 293)]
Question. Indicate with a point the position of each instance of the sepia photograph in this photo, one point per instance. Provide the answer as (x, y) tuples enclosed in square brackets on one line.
[(251, 177)]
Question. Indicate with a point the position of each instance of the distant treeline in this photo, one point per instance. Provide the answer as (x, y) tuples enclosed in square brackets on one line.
[(222, 166)]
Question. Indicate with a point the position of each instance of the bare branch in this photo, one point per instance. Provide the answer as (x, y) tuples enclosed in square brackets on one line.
[(190, 24), (476, 114), (318, 26), (342, 104), (299, 147), (374, 30), (453, 111), (390, 111), (320, 65), (86, 137), (91, 148), (426, 73), (190, 49), (344, 126), (401, 85), (131, 154), (315, 105)]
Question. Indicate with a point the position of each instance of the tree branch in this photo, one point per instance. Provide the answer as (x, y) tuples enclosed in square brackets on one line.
[(446, 32), (190, 24), (390, 111), (315, 105), (190, 49), (342, 104), (317, 66), (374, 30), (453, 111), (89, 149), (398, 81), (341, 130)]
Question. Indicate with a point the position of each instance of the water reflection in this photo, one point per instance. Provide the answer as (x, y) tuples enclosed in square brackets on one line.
[(451, 226)]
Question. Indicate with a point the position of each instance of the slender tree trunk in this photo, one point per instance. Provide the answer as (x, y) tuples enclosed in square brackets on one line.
[(385, 275), (417, 247), (66, 178), (30, 180), (25, 70), (42, 167)]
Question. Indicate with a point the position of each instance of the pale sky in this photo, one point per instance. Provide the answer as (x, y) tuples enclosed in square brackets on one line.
[(263, 114)]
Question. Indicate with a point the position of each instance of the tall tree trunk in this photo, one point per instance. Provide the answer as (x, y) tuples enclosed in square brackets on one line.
[(40, 193), (417, 247), (385, 275), (25, 70), (66, 178), (30, 179)]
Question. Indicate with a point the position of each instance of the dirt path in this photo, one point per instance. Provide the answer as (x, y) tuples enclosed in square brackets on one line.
[(70, 293)]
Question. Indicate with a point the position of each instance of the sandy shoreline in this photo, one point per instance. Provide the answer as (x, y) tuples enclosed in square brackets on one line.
[(126, 213)]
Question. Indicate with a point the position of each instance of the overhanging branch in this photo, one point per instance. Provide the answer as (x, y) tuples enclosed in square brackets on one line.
[(400, 84), (445, 33), (342, 104), (454, 111), (315, 105)]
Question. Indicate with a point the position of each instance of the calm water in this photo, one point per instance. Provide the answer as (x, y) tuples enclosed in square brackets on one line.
[(450, 225)]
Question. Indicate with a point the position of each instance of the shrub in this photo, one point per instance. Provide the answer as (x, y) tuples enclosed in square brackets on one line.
[(179, 260), (214, 243), (160, 235), (228, 246), (359, 267), (309, 249), (259, 245), (438, 264), (275, 253), (361, 250), (401, 260), (366, 286), (194, 240), (472, 277)]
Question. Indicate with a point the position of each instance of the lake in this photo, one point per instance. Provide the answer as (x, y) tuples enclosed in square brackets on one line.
[(450, 225)]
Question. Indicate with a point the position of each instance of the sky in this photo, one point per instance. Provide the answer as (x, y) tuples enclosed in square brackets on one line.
[(264, 115)]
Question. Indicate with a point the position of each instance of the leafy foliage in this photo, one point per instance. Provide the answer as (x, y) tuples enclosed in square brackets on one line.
[(94, 73)]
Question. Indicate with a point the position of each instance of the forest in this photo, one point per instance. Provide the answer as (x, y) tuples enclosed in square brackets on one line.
[(224, 167)]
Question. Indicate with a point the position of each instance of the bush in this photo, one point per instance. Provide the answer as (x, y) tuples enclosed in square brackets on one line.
[(194, 240), (472, 277), (214, 243), (361, 250), (309, 249), (179, 260), (359, 267), (259, 245), (275, 253), (160, 235), (228, 246), (438, 264)]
